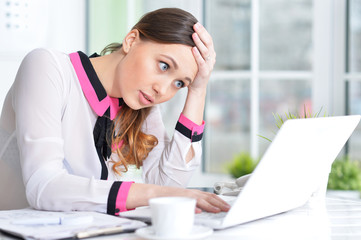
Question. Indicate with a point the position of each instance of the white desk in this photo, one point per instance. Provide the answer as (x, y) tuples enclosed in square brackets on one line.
[(337, 219)]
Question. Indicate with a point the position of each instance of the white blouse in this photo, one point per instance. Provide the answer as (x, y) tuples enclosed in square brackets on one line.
[(46, 140)]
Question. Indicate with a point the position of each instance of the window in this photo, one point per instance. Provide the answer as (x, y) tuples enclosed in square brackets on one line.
[(264, 62), (353, 69)]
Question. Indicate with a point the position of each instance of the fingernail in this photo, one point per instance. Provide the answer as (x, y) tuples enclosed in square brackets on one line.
[(197, 25), (216, 209)]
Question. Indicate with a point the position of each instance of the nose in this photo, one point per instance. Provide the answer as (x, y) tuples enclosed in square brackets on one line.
[(159, 88)]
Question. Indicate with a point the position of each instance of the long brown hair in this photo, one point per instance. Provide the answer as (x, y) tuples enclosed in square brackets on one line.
[(165, 25)]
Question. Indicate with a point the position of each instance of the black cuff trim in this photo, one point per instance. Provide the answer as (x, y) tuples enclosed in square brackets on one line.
[(188, 133), (112, 198)]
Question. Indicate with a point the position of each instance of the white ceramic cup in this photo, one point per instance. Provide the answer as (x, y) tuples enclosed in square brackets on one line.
[(172, 216)]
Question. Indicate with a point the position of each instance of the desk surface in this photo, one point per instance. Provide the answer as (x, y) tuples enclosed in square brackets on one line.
[(334, 218)]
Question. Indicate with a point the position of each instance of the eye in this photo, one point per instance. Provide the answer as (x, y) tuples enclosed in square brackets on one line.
[(179, 84), (163, 66)]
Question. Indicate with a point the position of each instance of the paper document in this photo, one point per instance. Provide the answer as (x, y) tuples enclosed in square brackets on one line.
[(33, 224)]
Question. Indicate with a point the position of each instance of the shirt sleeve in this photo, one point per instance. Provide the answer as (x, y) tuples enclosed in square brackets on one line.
[(39, 100), (166, 163), (118, 197), (189, 129)]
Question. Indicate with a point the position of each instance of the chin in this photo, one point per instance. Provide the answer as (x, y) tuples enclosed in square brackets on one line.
[(132, 105)]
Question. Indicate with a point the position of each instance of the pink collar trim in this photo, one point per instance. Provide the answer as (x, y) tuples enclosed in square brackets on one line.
[(99, 106)]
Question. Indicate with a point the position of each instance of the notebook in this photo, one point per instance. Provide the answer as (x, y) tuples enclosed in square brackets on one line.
[(294, 167)]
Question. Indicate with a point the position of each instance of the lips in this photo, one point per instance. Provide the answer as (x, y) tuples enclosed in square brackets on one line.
[(145, 99)]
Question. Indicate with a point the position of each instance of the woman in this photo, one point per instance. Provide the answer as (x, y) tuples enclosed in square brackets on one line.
[(81, 125)]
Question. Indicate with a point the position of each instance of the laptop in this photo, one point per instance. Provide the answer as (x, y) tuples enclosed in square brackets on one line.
[(295, 166)]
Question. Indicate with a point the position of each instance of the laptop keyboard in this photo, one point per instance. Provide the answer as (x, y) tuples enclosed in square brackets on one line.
[(209, 215)]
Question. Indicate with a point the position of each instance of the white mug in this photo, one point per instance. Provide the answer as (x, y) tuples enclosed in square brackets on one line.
[(172, 216)]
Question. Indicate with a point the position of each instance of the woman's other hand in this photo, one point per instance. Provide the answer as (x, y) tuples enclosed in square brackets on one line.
[(205, 56)]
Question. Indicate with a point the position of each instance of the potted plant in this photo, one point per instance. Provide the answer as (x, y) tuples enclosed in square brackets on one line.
[(242, 164), (345, 176)]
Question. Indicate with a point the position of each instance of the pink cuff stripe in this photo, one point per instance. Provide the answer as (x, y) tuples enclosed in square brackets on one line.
[(195, 128), (122, 197)]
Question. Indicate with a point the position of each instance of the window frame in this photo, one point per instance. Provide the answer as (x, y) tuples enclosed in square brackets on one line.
[(328, 77)]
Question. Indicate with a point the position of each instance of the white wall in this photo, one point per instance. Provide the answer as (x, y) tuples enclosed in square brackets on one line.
[(29, 24)]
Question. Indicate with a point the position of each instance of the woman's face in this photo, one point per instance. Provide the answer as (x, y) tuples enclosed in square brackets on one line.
[(151, 73)]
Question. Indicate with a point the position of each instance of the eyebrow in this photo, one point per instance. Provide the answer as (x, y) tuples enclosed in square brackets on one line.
[(176, 66), (171, 59)]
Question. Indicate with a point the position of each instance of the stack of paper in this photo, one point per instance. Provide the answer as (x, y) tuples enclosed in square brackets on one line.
[(34, 224)]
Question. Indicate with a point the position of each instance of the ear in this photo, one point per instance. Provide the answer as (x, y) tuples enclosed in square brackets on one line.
[(130, 39)]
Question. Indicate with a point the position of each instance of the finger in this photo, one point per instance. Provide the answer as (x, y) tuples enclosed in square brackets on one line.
[(204, 42), (197, 55), (206, 206), (217, 202), (208, 53), (212, 203), (205, 64), (200, 45), (198, 210), (203, 34)]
